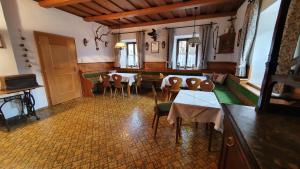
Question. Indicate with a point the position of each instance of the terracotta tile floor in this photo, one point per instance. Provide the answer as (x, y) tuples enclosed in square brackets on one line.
[(104, 132)]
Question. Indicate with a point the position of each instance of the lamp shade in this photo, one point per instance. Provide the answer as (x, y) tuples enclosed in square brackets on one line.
[(120, 45), (194, 41)]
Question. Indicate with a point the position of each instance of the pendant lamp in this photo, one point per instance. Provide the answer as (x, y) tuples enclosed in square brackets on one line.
[(120, 44), (194, 40)]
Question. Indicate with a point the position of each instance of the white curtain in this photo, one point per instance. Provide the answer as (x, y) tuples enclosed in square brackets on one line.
[(248, 36), (170, 47), (205, 36), (140, 41)]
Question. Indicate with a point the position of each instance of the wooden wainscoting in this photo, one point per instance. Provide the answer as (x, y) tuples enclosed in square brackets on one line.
[(97, 66), (218, 67), (221, 67), (154, 65)]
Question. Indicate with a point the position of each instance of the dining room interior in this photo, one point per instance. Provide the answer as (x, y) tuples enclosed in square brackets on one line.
[(199, 84)]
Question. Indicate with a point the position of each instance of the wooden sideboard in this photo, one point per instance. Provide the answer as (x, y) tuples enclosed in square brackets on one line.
[(259, 141)]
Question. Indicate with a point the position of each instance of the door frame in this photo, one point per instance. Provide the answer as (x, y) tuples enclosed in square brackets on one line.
[(37, 34)]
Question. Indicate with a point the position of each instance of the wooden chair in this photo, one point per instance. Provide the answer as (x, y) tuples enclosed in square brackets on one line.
[(193, 83), (160, 109), (207, 85), (138, 82), (118, 84), (106, 84), (175, 83)]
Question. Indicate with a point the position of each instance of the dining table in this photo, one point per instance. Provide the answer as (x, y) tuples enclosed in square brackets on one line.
[(165, 82), (128, 78), (196, 106)]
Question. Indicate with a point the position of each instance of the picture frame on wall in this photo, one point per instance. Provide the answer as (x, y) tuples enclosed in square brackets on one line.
[(239, 38), (226, 43), (155, 47), (2, 45)]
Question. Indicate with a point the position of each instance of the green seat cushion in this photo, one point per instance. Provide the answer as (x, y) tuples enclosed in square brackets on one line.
[(225, 96), (91, 75), (243, 91), (164, 107)]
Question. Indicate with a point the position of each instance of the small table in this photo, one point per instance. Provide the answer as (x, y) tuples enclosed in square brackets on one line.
[(24, 96), (165, 81), (128, 78), (196, 106)]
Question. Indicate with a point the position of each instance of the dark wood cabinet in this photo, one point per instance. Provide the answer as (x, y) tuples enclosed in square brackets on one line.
[(252, 140), (233, 155)]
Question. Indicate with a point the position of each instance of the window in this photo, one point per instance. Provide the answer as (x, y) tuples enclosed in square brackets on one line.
[(129, 57), (186, 54), (262, 44), (131, 54)]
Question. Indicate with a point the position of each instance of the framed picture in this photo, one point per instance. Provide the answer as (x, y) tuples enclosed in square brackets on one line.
[(2, 45), (226, 43), (239, 38), (155, 47)]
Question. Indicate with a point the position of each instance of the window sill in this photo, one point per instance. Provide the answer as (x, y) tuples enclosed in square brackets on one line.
[(250, 86)]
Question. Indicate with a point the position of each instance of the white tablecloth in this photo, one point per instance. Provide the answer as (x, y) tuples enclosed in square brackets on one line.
[(165, 81), (126, 77), (197, 106)]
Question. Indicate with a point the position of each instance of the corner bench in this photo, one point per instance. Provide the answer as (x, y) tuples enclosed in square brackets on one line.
[(231, 92)]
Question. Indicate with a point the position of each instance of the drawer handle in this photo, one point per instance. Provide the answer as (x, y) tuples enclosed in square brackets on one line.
[(230, 141)]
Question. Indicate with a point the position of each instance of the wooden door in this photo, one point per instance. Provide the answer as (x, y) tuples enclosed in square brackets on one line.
[(59, 67)]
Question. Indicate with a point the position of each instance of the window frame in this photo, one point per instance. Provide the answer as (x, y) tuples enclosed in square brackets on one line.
[(134, 52), (187, 51)]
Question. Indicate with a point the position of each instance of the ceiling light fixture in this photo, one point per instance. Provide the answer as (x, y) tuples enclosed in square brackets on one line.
[(120, 44), (194, 40)]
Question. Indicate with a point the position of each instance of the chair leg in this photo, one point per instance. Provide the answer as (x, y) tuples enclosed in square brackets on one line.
[(136, 90), (210, 136), (110, 92), (154, 117), (156, 125), (177, 129), (122, 92), (104, 91), (115, 92), (170, 96), (196, 125), (180, 122)]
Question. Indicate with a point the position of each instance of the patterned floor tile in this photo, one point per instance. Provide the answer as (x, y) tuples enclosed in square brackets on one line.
[(104, 132)]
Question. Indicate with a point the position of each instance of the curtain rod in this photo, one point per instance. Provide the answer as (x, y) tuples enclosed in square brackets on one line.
[(127, 32), (212, 23)]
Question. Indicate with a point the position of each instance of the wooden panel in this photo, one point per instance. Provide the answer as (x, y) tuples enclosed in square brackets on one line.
[(98, 66), (155, 65), (140, 4), (222, 67), (73, 11), (217, 67), (86, 9)]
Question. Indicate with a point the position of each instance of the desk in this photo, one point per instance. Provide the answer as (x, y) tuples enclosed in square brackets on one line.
[(165, 81), (24, 96), (196, 106)]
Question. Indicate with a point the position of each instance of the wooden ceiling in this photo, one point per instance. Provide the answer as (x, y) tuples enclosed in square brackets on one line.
[(135, 13)]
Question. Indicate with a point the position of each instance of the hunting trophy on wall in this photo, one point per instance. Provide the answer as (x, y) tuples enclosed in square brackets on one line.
[(99, 36)]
